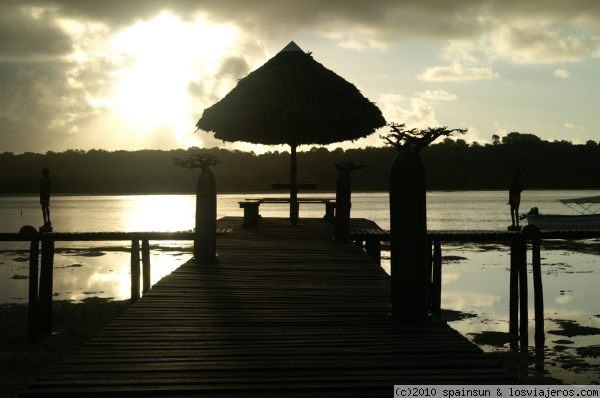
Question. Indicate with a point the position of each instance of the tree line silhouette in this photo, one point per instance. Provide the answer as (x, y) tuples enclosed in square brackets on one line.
[(450, 165)]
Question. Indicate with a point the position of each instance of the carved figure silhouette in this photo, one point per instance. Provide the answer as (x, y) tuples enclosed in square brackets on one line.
[(45, 188), (514, 197)]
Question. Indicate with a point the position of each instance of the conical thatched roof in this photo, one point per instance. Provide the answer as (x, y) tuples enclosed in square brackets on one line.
[(292, 99)]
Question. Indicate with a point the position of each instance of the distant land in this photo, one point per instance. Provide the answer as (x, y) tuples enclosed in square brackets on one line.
[(450, 165)]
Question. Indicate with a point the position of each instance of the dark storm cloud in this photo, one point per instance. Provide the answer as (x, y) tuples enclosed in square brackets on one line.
[(392, 19), (25, 35)]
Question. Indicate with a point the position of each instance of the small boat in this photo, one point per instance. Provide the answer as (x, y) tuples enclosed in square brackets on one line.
[(587, 219)]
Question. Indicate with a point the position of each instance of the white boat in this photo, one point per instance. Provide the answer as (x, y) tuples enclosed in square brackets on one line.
[(587, 219)]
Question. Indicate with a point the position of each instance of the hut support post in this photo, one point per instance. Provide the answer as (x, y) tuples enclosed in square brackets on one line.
[(135, 270), (145, 266), (294, 208), (436, 280), (45, 289), (32, 326)]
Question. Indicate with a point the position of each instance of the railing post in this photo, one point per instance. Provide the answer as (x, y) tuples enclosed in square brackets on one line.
[(135, 270), (32, 318), (436, 279), (45, 289), (145, 266)]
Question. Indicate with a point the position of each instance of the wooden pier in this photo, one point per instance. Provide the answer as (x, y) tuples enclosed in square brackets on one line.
[(285, 311)]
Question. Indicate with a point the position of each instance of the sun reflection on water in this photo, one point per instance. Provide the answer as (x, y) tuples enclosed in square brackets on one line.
[(161, 213)]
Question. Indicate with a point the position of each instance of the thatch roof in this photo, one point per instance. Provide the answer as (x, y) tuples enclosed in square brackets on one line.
[(292, 99)]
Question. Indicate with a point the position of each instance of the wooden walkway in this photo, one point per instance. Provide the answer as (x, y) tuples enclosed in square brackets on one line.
[(286, 312)]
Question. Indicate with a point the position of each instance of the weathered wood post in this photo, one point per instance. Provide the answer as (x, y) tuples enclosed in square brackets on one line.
[(32, 326), (343, 200), (45, 289), (408, 222), (205, 243), (135, 270), (145, 266)]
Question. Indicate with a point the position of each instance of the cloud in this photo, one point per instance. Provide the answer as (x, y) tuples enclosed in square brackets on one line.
[(39, 107), (572, 126), (234, 67), (56, 70), (30, 34), (415, 112), (437, 95), (540, 45), (562, 73), (457, 72)]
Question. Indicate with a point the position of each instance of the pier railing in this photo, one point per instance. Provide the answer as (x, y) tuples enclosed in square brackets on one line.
[(518, 241), (40, 294)]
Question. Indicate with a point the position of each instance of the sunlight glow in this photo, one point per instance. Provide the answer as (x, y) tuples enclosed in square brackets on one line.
[(161, 58)]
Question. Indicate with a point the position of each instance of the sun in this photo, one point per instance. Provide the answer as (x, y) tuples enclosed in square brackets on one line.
[(160, 58)]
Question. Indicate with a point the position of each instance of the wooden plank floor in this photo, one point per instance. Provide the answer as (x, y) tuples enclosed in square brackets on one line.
[(285, 312)]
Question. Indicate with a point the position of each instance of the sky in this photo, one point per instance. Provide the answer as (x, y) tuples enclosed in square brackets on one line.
[(137, 74)]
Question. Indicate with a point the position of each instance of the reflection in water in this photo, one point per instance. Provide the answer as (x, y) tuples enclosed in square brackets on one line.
[(161, 213), (464, 301)]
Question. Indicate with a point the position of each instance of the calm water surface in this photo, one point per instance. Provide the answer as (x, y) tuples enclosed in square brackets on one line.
[(475, 277)]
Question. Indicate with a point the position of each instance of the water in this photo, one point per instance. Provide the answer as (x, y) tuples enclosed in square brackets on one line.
[(475, 277)]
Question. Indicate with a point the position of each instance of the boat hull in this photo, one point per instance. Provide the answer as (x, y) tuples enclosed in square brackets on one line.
[(565, 222)]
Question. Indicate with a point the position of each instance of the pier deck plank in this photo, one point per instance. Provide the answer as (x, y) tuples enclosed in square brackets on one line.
[(284, 312)]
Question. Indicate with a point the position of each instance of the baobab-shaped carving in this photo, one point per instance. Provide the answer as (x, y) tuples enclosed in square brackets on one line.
[(205, 244), (410, 271)]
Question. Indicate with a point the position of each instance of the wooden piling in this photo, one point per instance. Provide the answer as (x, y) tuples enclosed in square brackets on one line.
[(32, 323), (513, 301), (538, 290), (523, 298), (145, 266), (45, 288), (135, 270), (436, 279)]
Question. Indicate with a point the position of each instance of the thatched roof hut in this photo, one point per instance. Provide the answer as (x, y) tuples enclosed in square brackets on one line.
[(292, 99)]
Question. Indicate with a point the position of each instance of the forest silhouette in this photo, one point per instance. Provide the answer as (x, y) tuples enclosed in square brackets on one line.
[(450, 165)]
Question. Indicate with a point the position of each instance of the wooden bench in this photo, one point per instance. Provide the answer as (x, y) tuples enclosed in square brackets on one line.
[(251, 207)]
